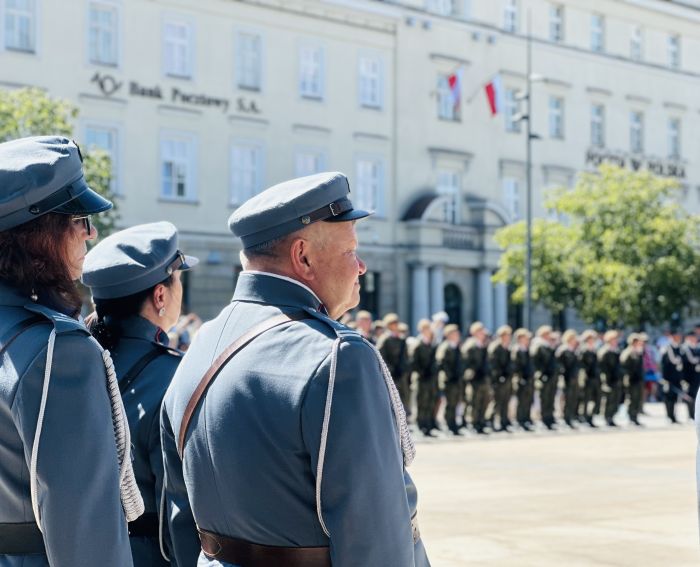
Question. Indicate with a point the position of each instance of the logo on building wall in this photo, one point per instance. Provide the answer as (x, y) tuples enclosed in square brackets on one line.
[(657, 166), (109, 85)]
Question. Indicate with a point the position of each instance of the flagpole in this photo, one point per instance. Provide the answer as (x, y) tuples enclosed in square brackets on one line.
[(528, 197)]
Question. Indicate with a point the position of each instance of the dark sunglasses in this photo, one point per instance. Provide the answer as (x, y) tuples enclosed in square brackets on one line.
[(87, 223)]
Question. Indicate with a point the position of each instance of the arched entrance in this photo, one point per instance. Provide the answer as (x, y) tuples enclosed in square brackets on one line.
[(453, 304)]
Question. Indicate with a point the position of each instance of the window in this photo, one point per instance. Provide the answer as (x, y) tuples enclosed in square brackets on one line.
[(249, 61), (177, 48), (369, 185), (246, 171), (308, 162), (511, 197), (20, 22), (102, 35), (556, 23), (597, 125), (674, 138), (510, 16), (597, 33), (636, 44), (311, 72), (674, 51), (511, 109), (177, 167), (636, 132), (556, 117), (105, 138), (370, 82), (448, 186), (447, 109), (442, 7)]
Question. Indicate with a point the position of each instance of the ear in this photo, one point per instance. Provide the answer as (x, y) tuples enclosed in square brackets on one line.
[(300, 259), (158, 296)]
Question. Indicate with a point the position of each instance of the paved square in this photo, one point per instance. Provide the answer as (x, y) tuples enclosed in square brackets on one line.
[(581, 498)]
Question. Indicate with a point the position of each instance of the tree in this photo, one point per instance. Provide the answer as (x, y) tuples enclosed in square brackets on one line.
[(31, 112), (626, 255)]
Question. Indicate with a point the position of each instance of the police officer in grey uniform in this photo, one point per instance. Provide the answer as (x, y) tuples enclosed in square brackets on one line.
[(67, 487), (293, 444), (134, 277)]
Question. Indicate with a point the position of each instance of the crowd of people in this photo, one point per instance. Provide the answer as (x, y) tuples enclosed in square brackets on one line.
[(477, 378)]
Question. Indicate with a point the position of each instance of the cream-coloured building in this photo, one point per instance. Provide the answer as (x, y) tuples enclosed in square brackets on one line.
[(202, 104)]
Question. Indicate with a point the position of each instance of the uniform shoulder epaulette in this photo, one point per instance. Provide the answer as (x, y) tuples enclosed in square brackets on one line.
[(342, 332), (165, 349), (62, 323), (493, 345), (470, 343)]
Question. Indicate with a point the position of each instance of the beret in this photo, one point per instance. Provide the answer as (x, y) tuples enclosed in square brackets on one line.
[(290, 206), (134, 259), (40, 175)]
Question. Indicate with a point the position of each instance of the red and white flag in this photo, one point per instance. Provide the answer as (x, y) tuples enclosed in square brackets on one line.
[(494, 94), (455, 82)]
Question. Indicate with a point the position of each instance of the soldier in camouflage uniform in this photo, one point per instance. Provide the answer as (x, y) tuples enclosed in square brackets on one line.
[(501, 375), (474, 356), (393, 349), (569, 368), (449, 365), (544, 363), (609, 365), (522, 373), (588, 358), (424, 371), (632, 367)]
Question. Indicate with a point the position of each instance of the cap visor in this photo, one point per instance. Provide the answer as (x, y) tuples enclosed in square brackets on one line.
[(87, 203), (354, 214), (190, 262)]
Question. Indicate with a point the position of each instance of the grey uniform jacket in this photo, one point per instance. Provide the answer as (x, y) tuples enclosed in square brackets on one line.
[(251, 457), (77, 467), (142, 402)]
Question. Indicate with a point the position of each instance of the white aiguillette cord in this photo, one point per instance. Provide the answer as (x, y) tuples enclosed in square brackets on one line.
[(131, 499)]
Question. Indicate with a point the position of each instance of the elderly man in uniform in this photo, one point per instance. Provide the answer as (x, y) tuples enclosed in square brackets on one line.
[(501, 375), (474, 358), (609, 364), (292, 445), (544, 363)]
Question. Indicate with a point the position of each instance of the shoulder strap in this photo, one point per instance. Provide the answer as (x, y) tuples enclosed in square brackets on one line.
[(211, 374), (137, 368), (16, 330)]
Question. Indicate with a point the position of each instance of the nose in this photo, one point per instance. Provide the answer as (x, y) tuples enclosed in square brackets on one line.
[(92, 235), (362, 266)]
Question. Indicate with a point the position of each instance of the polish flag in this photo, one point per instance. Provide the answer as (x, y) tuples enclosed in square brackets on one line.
[(494, 94), (455, 82)]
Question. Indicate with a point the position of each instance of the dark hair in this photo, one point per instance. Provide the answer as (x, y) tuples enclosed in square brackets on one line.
[(104, 323), (34, 260)]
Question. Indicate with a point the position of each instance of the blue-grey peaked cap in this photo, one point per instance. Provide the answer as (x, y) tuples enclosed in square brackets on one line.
[(133, 260), (290, 206), (40, 175)]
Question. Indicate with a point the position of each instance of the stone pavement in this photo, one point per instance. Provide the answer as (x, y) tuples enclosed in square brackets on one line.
[(602, 497)]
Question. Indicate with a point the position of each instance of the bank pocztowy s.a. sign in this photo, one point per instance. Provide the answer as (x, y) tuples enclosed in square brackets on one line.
[(657, 166), (108, 86)]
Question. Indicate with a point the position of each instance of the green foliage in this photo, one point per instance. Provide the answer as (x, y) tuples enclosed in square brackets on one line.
[(627, 255), (31, 112)]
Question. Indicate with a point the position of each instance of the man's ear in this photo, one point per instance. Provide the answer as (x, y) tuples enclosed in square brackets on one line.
[(300, 261), (158, 296)]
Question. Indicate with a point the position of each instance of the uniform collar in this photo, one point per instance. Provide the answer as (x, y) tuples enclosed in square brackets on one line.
[(137, 327), (11, 296), (265, 287)]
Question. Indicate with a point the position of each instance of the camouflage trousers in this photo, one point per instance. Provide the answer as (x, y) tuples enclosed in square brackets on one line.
[(482, 398)]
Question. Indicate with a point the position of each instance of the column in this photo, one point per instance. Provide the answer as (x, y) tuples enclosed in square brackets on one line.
[(420, 294), (484, 298), (501, 307), (437, 289)]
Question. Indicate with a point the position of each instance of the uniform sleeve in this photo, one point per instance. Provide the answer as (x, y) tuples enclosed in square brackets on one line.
[(77, 467), (181, 524), (364, 498)]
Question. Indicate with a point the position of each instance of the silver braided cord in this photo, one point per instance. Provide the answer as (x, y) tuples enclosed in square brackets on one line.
[(407, 446), (132, 502)]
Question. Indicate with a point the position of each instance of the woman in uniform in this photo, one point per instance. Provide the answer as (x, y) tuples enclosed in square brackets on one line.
[(66, 483), (134, 276)]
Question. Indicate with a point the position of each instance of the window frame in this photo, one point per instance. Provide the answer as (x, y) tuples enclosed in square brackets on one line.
[(636, 130), (238, 61), (257, 146), (317, 153), (116, 7), (556, 117), (378, 104), (556, 23), (512, 106), (674, 140), (188, 24), (34, 31), (673, 51), (116, 185), (190, 138), (511, 16), (597, 33), (637, 43), (510, 187), (379, 161), (319, 96), (455, 192), (597, 123)]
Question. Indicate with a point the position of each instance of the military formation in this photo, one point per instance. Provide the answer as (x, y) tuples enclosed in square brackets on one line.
[(493, 383)]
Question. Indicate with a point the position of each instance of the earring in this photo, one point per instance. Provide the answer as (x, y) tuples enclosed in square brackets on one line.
[(34, 297), (161, 312)]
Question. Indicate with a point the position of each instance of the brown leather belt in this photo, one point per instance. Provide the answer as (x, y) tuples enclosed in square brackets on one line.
[(246, 554)]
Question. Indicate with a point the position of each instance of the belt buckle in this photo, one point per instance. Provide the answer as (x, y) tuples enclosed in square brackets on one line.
[(335, 211)]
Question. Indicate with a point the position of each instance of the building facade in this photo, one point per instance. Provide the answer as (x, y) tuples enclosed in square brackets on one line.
[(202, 105)]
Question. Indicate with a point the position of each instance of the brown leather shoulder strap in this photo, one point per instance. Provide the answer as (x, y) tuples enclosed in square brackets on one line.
[(222, 360)]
